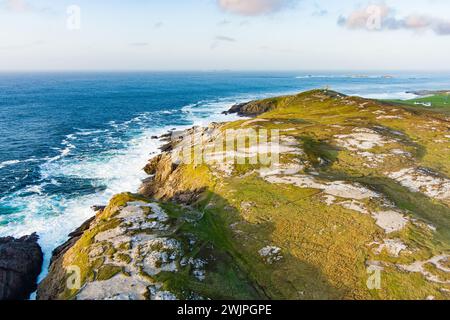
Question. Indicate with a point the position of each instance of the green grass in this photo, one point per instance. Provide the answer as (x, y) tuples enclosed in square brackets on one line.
[(439, 102), (106, 272), (225, 275), (325, 247), (319, 153)]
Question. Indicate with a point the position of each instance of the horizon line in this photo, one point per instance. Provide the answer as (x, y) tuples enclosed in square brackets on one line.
[(219, 70)]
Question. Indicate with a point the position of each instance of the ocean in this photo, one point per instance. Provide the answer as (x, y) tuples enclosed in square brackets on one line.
[(72, 140)]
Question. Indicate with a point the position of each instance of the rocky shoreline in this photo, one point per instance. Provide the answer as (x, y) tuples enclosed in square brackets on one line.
[(252, 108), (157, 186), (307, 228), (20, 265), (19, 270)]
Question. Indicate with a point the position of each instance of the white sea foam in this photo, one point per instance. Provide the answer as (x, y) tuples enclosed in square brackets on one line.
[(203, 113), (8, 163), (13, 162), (53, 217), (85, 132)]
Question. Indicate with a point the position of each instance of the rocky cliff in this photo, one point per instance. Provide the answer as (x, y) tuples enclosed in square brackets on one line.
[(20, 265), (357, 206)]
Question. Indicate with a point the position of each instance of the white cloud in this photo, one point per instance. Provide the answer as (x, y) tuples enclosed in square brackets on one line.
[(253, 7), (381, 17), (225, 38), (16, 5), (221, 39), (24, 6)]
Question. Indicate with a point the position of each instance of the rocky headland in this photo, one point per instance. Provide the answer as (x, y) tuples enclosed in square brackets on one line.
[(356, 207)]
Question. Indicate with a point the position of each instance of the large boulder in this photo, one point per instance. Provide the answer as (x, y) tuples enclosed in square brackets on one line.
[(20, 265)]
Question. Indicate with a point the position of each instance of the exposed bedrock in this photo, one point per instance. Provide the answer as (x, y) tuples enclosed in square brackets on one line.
[(54, 283), (252, 108)]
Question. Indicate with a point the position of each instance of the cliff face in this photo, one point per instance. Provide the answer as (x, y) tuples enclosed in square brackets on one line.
[(357, 206), (20, 265)]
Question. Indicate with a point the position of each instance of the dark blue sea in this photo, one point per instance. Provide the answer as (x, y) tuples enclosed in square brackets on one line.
[(72, 140)]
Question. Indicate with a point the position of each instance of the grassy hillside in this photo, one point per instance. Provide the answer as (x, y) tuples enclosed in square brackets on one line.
[(436, 102), (361, 189)]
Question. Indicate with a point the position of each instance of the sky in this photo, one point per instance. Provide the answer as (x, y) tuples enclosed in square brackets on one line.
[(209, 35)]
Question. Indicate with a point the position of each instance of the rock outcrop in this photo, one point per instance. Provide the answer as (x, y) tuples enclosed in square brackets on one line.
[(356, 187), (137, 249), (50, 287), (252, 108), (20, 265)]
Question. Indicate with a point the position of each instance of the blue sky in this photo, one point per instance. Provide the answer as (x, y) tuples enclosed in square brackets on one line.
[(225, 34)]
